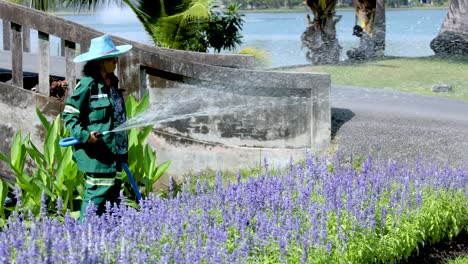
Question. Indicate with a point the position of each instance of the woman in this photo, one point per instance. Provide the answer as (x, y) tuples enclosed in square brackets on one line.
[(97, 105)]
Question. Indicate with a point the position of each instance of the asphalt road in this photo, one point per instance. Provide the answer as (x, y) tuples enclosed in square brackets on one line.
[(400, 126)]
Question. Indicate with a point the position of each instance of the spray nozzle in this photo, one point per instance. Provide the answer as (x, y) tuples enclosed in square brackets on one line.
[(99, 135)]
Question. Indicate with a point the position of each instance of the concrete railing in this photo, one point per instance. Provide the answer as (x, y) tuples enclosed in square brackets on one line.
[(225, 115)]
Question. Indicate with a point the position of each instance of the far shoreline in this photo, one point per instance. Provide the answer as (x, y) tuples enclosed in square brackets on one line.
[(303, 9)]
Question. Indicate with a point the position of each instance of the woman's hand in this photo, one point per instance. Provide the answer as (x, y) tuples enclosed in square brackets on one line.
[(92, 137)]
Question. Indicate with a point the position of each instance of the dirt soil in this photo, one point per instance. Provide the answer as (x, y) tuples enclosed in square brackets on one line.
[(442, 252)]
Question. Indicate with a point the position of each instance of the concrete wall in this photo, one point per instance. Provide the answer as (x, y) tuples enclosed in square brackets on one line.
[(226, 119), (18, 113)]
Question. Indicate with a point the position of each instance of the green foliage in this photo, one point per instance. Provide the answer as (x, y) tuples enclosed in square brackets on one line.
[(459, 260), (54, 173), (198, 27), (223, 31), (262, 58), (142, 159)]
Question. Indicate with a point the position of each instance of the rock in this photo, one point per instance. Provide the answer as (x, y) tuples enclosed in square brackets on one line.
[(441, 88)]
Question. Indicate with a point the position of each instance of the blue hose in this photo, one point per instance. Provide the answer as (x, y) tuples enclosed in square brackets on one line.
[(132, 181)]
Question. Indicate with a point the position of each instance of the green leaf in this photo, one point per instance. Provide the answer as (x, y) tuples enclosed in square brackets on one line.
[(44, 121), (3, 195), (130, 106), (161, 170), (4, 158), (18, 152), (35, 154), (143, 134), (50, 143), (143, 105), (43, 187), (24, 181)]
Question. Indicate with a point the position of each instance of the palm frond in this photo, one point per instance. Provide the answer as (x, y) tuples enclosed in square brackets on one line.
[(91, 5), (169, 31)]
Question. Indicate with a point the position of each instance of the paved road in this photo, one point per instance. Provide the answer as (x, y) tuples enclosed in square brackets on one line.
[(400, 126)]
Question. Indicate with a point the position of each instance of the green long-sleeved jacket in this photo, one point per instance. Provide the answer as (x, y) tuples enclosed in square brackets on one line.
[(91, 108)]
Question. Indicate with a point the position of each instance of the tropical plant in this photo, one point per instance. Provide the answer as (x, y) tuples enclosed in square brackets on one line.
[(53, 173), (192, 25), (142, 158), (261, 57), (222, 31)]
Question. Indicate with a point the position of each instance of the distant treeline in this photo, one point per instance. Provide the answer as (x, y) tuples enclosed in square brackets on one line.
[(294, 4)]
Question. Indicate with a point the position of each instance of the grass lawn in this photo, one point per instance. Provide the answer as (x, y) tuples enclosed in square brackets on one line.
[(459, 260), (415, 75)]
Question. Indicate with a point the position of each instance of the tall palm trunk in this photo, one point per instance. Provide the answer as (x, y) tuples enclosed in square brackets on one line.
[(371, 14), (453, 35), (320, 36)]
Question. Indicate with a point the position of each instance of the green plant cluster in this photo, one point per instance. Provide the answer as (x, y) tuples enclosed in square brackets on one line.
[(194, 30), (53, 172)]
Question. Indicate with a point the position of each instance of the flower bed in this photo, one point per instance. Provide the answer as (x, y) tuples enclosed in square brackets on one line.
[(320, 211)]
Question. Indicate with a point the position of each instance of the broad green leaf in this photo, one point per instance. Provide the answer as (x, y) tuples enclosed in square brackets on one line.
[(143, 134), (161, 170), (3, 195), (143, 105), (35, 154), (43, 187), (50, 142), (62, 169), (130, 105), (24, 181), (44, 121), (4, 158), (150, 160), (17, 152)]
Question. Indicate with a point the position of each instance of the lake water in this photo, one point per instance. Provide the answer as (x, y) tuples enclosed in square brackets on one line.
[(409, 32)]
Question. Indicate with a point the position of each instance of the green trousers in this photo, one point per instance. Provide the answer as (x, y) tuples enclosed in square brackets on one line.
[(100, 188)]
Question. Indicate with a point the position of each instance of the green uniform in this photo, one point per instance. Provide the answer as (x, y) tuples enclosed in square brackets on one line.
[(95, 106)]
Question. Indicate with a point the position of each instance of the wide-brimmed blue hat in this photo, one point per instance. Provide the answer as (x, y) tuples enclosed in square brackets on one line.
[(102, 47)]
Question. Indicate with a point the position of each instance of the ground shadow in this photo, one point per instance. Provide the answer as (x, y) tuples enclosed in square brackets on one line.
[(339, 116)]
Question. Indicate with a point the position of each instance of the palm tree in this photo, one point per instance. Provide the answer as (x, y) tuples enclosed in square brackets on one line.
[(453, 35), (371, 14), (170, 23), (320, 36)]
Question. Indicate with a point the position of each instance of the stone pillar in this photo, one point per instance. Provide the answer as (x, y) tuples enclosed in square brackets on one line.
[(70, 66), (16, 55), (6, 35), (44, 63)]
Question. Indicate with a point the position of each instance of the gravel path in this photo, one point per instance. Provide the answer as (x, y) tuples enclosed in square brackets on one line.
[(404, 127), (400, 126)]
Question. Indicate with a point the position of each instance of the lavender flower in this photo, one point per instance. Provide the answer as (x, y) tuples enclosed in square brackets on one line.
[(321, 210)]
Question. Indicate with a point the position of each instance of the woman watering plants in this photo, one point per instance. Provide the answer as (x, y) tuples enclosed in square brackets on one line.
[(97, 105)]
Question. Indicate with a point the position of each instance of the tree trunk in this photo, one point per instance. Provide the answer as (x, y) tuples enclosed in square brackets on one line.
[(371, 14), (453, 36), (379, 29), (320, 36)]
